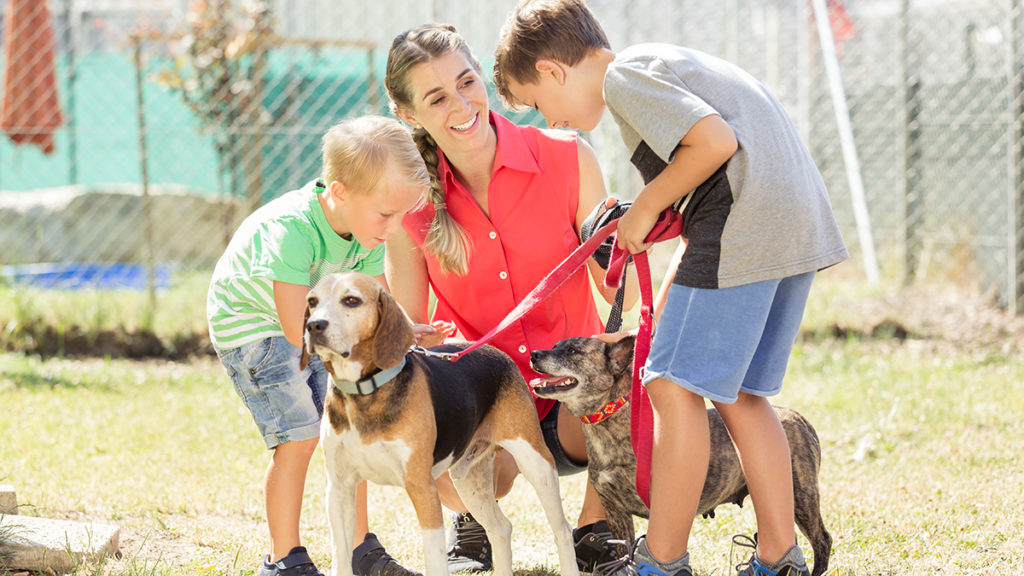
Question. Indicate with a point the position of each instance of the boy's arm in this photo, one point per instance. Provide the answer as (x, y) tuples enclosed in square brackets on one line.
[(290, 300), (592, 193), (708, 145)]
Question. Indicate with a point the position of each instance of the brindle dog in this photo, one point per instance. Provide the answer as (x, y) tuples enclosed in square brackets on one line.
[(587, 374)]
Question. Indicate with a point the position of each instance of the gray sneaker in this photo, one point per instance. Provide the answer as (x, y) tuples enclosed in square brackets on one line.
[(792, 562), (640, 562)]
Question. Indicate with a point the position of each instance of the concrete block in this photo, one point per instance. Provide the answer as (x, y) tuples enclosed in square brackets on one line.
[(8, 500), (54, 546)]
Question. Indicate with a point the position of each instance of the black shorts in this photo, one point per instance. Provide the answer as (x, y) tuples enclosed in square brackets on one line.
[(549, 426)]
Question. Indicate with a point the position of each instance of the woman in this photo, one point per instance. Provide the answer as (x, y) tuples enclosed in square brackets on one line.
[(506, 206)]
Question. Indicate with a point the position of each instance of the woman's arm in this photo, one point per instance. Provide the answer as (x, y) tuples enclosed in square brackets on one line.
[(408, 281), (592, 193)]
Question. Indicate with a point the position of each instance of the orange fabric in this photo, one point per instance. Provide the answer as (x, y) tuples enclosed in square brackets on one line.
[(532, 203), (31, 111)]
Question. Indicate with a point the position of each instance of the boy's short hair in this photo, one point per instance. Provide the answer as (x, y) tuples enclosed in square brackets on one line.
[(561, 30), (356, 152)]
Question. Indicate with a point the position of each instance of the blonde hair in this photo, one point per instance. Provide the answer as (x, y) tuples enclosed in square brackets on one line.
[(356, 153), (446, 239), (561, 30)]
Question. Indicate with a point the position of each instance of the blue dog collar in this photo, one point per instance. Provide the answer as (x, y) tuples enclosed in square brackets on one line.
[(370, 384)]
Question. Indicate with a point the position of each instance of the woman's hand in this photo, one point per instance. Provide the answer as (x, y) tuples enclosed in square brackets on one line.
[(433, 334), (611, 337)]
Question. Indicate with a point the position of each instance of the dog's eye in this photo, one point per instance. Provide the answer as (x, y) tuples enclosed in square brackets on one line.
[(351, 301), (312, 301)]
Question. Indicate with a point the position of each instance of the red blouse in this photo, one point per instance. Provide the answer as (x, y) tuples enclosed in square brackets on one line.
[(532, 199)]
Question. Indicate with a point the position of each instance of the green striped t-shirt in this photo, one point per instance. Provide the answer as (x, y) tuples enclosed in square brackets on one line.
[(287, 240)]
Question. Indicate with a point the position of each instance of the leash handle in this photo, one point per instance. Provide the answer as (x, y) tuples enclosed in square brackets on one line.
[(547, 285)]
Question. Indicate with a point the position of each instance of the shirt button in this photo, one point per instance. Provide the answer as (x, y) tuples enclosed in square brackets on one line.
[(503, 275), (522, 349), (493, 234)]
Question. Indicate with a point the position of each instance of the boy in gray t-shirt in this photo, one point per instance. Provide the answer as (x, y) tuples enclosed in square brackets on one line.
[(711, 141)]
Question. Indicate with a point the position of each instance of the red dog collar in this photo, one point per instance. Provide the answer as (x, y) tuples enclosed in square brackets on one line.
[(606, 411)]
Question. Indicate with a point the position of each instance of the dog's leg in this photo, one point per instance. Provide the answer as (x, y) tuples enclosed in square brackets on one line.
[(423, 492), (341, 518), (476, 488), (805, 452), (542, 475)]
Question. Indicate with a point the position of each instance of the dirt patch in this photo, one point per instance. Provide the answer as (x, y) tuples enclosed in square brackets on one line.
[(939, 315), (75, 341)]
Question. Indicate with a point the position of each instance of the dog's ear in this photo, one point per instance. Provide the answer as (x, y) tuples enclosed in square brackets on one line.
[(306, 345), (620, 354), (394, 332)]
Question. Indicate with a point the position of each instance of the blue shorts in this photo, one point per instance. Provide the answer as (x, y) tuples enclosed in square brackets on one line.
[(717, 343), (286, 403)]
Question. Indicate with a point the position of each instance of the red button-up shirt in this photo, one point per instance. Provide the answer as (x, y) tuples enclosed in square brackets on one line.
[(532, 200)]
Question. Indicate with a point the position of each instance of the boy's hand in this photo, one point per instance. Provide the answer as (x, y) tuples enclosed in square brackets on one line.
[(634, 226), (433, 334)]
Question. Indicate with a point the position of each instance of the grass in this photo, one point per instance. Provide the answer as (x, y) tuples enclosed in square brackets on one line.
[(922, 467), (89, 318)]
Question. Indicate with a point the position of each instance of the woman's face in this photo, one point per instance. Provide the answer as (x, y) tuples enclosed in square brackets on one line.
[(449, 100)]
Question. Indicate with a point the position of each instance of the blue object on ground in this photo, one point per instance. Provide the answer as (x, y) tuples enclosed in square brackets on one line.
[(87, 275)]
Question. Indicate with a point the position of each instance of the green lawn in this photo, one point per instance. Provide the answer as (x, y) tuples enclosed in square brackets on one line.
[(922, 468)]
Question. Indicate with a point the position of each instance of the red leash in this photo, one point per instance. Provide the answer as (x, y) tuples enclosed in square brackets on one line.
[(669, 225)]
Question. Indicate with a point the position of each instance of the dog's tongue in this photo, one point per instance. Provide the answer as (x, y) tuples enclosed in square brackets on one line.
[(545, 381)]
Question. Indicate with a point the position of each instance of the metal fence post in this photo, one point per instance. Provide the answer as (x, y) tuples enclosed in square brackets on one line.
[(912, 193), (1015, 237), (147, 205)]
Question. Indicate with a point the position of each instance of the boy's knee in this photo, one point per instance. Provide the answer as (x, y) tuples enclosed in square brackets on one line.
[(304, 448), (661, 390)]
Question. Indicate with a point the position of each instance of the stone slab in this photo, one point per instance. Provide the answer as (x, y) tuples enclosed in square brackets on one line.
[(55, 546), (8, 500)]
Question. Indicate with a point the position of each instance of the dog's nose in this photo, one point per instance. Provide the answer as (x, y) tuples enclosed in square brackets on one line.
[(534, 356), (316, 326)]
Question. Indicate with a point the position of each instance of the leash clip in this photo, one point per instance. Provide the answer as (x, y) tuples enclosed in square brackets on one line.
[(449, 356)]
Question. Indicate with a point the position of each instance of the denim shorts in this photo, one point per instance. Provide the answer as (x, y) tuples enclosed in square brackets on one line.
[(549, 426), (285, 402), (717, 343)]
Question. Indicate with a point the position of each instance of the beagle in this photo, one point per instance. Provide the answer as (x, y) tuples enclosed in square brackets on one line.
[(402, 418)]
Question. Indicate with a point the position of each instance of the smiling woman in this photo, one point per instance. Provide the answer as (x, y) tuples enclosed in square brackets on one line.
[(506, 206)]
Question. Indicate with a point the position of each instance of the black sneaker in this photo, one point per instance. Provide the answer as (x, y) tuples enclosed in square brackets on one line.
[(296, 563), (468, 547), (370, 559), (594, 545), (791, 564)]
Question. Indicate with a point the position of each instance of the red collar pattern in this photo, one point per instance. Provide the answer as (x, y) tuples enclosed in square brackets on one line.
[(605, 411)]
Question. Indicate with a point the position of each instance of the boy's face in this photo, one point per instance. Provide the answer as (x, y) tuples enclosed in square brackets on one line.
[(563, 95), (450, 102), (373, 217)]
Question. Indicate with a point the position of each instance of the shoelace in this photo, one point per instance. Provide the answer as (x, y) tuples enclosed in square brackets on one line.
[(469, 532), (744, 541), (623, 566)]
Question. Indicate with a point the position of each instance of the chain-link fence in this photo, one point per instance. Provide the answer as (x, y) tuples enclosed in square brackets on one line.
[(163, 125)]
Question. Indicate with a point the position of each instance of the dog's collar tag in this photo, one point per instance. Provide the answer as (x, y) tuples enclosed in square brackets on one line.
[(369, 385), (605, 411)]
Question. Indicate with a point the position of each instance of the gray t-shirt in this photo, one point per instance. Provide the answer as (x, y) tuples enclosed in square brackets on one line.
[(766, 213)]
